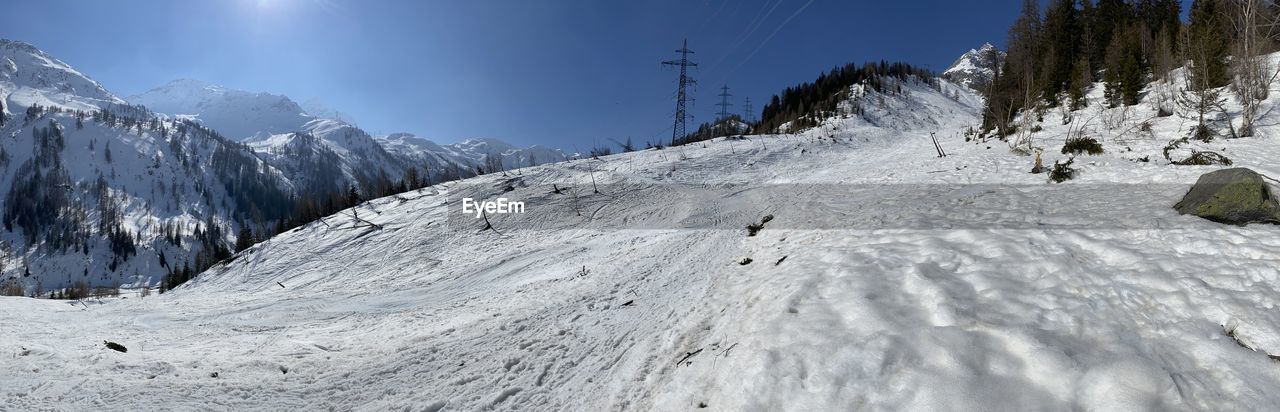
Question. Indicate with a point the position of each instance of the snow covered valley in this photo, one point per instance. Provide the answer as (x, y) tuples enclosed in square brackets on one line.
[(888, 278)]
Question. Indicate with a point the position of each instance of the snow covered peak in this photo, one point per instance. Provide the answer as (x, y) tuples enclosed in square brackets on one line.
[(408, 142), (29, 76), (470, 152), (484, 144), (975, 68), (237, 114)]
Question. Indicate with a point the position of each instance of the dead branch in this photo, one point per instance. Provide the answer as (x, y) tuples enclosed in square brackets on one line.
[(488, 225), (593, 181), (360, 222), (687, 356), (725, 352)]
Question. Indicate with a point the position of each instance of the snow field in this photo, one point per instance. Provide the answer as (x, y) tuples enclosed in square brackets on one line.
[(926, 297)]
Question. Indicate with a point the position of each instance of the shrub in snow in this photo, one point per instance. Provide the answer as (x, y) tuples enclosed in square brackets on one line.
[(1062, 172), (601, 151), (78, 290), (1079, 145), (12, 289), (1202, 133), (1199, 158)]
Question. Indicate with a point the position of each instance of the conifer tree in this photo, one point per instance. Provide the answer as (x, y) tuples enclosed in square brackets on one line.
[(1125, 70), (1061, 40), (411, 178), (1106, 19), (1013, 90), (1208, 43), (244, 239)]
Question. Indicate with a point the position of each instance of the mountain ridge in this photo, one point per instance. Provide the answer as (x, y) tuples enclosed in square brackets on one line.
[(976, 68)]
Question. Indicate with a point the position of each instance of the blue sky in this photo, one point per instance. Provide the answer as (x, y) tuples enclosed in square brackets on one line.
[(567, 73)]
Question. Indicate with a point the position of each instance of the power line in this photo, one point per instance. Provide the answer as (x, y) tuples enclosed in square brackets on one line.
[(678, 130), (724, 103), (747, 115)]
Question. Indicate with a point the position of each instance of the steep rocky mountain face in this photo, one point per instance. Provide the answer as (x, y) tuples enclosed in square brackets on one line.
[(976, 68), (325, 155)]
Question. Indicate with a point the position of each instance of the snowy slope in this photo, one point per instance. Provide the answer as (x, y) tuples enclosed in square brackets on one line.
[(888, 279), (29, 76)]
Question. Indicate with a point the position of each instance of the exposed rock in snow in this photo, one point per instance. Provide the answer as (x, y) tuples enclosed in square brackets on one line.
[(1237, 196)]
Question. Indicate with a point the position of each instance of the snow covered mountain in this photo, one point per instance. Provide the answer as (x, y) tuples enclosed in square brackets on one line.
[(29, 76), (976, 68), (268, 123), (237, 114), (886, 278), (326, 155), (321, 155), (104, 193), (471, 152)]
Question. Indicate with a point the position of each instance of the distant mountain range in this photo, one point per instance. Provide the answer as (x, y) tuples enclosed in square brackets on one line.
[(260, 119)]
